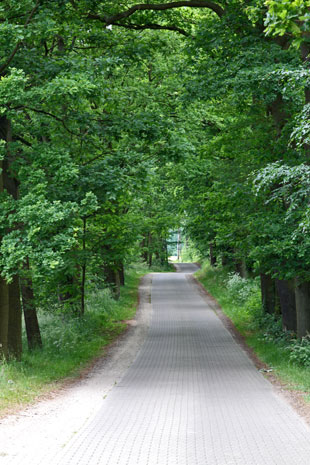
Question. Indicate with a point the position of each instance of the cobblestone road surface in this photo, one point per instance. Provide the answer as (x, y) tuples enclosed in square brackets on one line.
[(192, 397)]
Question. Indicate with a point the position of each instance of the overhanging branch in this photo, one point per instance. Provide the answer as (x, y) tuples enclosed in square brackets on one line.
[(138, 27), (114, 19)]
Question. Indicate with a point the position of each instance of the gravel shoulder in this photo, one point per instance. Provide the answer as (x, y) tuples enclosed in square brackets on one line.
[(49, 424)]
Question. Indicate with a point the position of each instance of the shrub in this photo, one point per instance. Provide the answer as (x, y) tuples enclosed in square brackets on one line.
[(300, 352), (272, 330), (241, 288)]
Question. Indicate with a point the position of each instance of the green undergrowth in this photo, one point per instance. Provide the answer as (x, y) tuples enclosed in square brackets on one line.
[(241, 301), (69, 343)]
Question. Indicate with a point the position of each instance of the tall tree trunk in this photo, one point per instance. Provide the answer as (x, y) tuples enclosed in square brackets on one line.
[(150, 250), (270, 298), (276, 110), (164, 253), (15, 319), (179, 245), (4, 294), (240, 266), (68, 287), (212, 254), (227, 257), (4, 297), (157, 252), (144, 247), (112, 279), (30, 314), (4, 317), (286, 292), (243, 268), (83, 277), (83, 282), (117, 291), (302, 296), (10, 314), (121, 271)]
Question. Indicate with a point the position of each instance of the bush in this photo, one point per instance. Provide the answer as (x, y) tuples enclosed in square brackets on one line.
[(298, 349), (300, 352), (242, 289), (271, 325)]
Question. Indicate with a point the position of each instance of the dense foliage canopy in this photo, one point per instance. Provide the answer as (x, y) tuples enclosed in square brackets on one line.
[(122, 122)]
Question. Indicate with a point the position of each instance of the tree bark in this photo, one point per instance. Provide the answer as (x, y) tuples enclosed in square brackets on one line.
[(83, 281), (112, 279), (144, 247), (165, 259), (179, 245), (276, 110), (121, 271), (243, 268), (83, 277), (302, 296), (4, 318), (212, 254), (4, 296), (150, 253), (286, 292), (10, 313), (30, 314), (227, 257), (66, 290), (240, 266), (270, 300), (15, 320), (117, 290), (118, 17)]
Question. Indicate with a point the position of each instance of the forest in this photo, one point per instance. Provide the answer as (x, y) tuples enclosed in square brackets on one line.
[(121, 122)]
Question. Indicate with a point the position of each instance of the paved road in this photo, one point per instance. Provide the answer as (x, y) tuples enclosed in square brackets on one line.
[(192, 397)]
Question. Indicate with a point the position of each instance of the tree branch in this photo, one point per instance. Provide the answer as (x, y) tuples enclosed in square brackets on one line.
[(98, 157), (12, 55), (114, 19), (32, 13), (24, 141), (3, 20), (138, 27), (57, 118), (15, 50)]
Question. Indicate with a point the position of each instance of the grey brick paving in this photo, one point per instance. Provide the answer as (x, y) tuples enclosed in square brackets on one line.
[(192, 397)]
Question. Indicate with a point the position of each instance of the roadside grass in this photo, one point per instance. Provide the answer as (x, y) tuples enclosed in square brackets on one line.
[(240, 300), (69, 343)]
